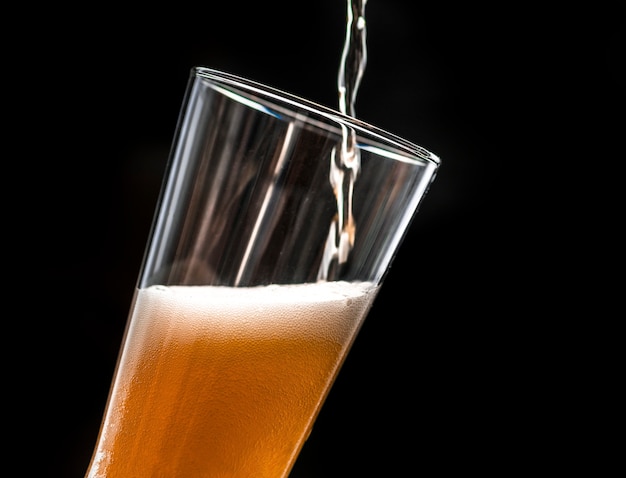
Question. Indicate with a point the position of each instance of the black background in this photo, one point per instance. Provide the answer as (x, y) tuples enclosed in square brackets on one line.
[(471, 359)]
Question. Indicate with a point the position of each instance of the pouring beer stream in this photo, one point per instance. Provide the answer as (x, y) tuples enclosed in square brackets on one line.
[(345, 160)]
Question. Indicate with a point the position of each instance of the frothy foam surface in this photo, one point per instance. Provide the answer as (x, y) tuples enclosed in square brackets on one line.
[(318, 308)]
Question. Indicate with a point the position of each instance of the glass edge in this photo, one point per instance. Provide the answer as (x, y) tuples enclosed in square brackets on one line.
[(319, 109)]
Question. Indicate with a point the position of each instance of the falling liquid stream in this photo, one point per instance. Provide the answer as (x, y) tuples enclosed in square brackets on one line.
[(345, 159)]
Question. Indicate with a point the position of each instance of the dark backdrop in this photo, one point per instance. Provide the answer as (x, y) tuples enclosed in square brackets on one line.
[(464, 363)]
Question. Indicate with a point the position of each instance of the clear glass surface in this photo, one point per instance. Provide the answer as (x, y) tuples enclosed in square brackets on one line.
[(268, 247)]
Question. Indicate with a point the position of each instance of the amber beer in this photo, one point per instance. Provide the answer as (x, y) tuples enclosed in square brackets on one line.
[(224, 382)]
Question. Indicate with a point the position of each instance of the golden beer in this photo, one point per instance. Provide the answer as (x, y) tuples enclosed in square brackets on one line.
[(224, 382)]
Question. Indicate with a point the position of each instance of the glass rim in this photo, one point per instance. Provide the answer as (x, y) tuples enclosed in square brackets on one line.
[(411, 149)]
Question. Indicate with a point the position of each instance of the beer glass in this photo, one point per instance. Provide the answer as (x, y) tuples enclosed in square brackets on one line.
[(275, 226)]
